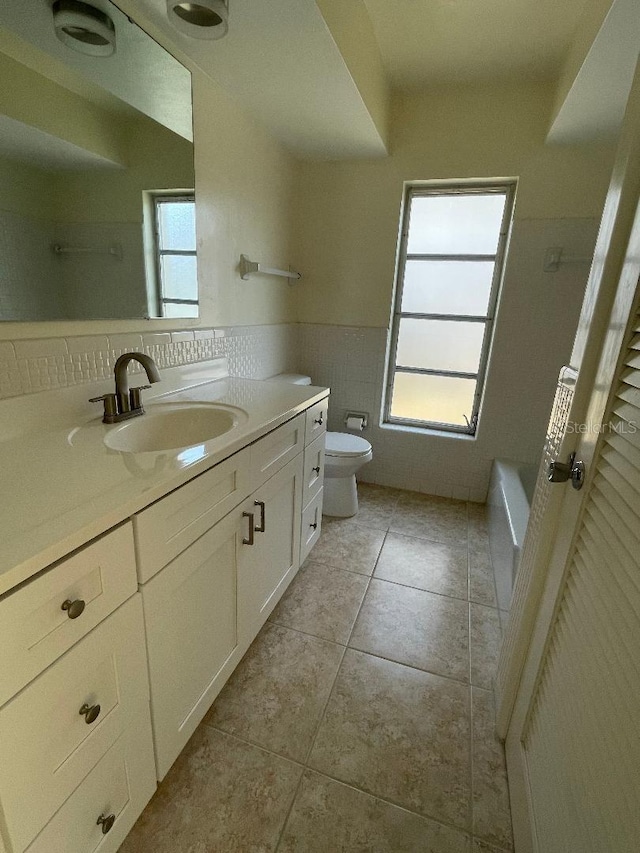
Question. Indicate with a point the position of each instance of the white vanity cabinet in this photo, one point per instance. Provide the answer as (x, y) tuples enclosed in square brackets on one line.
[(82, 701), (112, 656), (206, 605)]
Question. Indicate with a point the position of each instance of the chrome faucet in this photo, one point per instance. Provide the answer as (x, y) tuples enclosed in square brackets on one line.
[(127, 402)]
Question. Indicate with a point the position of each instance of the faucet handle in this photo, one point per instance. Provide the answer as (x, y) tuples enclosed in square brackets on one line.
[(110, 406), (135, 397)]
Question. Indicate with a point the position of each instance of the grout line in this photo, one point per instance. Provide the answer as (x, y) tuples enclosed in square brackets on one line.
[(391, 802), (411, 666), (253, 744)]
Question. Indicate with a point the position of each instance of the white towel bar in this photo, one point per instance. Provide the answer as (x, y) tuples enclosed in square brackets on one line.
[(247, 267)]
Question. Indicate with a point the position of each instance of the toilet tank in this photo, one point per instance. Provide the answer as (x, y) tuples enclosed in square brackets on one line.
[(292, 378)]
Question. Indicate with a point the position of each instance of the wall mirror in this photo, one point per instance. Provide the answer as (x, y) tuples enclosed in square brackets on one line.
[(97, 213)]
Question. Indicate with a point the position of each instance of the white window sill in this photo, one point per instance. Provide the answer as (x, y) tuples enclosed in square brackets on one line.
[(427, 431)]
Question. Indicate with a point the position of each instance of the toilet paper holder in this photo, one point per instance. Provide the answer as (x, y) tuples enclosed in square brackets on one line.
[(349, 418)]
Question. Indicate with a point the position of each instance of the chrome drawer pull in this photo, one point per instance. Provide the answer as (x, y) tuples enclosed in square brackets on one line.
[(319, 421), (314, 525), (263, 522), (106, 822), (90, 713), (316, 469), (251, 539), (73, 608)]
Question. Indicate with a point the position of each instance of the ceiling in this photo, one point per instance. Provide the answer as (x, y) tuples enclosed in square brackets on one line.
[(462, 41), (594, 107), (280, 61)]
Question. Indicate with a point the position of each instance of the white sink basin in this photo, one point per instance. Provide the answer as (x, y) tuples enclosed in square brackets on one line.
[(172, 426)]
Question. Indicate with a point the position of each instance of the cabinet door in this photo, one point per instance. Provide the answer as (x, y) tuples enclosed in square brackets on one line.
[(267, 567), (192, 636)]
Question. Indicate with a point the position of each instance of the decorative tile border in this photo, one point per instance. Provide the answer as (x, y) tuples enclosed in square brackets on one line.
[(43, 364)]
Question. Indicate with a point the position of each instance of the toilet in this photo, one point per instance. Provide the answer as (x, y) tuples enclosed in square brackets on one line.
[(344, 455)]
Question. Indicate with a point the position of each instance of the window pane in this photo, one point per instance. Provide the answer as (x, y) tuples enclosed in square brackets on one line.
[(447, 287), (179, 276), (177, 225), (173, 310), (440, 344), (437, 399), (455, 224)]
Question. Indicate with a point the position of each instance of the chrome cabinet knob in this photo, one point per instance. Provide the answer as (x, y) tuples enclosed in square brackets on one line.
[(73, 608), (316, 469), (314, 525), (90, 713), (319, 421), (106, 822)]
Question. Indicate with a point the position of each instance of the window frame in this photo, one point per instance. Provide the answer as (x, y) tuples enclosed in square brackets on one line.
[(502, 187), (158, 252)]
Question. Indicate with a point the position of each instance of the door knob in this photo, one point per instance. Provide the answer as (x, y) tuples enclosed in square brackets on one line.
[(560, 472)]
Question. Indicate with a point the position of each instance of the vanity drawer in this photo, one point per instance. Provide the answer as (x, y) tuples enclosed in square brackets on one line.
[(47, 746), (311, 526), (275, 450), (121, 784), (171, 524), (313, 475), (316, 421), (35, 630)]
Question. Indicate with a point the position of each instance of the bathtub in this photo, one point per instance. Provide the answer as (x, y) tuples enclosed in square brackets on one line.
[(510, 492)]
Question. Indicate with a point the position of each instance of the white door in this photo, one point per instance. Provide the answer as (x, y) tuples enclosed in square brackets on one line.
[(569, 677), (190, 610), (269, 565)]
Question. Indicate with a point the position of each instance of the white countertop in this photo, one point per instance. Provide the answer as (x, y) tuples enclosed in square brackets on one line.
[(63, 487)]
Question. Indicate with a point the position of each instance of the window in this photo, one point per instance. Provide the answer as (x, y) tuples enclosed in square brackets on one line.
[(450, 265), (175, 244)]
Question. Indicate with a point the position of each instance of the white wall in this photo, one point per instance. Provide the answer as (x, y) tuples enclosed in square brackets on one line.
[(347, 217)]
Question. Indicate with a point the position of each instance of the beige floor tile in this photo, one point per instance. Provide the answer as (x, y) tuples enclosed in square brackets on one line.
[(414, 627), (322, 601), (375, 505), (420, 563), (219, 795), (399, 734), (438, 519), (482, 585), (328, 817), (277, 693), (485, 639), (478, 523), (349, 546), (491, 810)]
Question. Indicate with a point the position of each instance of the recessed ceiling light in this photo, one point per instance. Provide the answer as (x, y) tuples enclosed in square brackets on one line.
[(84, 28), (206, 19)]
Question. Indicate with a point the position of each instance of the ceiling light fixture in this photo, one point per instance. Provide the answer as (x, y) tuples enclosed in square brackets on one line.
[(84, 28), (206, 19)]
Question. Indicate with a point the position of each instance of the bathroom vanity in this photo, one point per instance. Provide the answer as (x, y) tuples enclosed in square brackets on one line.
[(126, 606)]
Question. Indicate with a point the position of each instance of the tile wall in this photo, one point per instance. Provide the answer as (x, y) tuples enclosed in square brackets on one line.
[(351, 360), (256, 352)]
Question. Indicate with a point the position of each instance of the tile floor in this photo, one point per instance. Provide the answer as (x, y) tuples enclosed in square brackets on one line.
[(361, 718)]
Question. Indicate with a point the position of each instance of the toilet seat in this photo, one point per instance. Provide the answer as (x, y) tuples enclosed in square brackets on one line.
[(342, 444)]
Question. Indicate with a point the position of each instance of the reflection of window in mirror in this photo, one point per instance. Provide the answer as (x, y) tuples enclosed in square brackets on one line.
[(170, 252)]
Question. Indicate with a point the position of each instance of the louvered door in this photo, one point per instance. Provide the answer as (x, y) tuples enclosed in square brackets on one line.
[(579, 743)]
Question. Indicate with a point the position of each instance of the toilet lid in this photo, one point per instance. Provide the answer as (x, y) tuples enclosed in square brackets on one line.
[(343, 444)]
